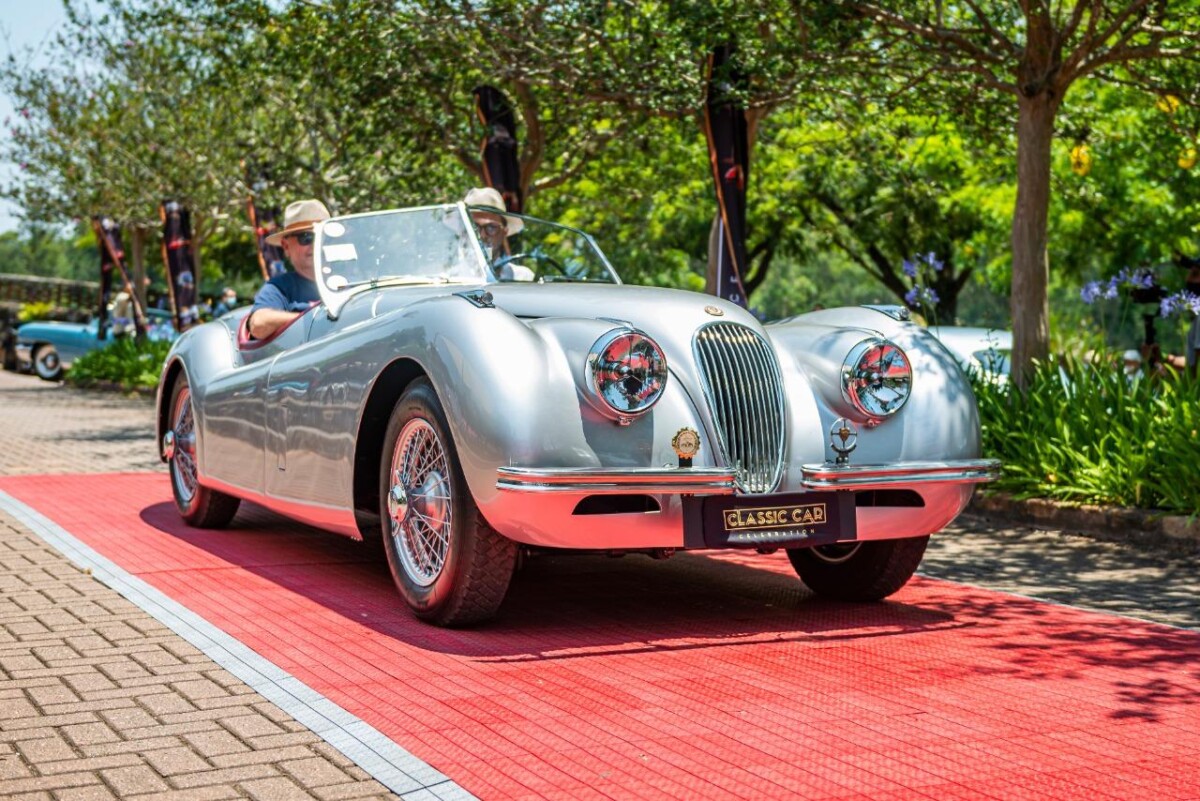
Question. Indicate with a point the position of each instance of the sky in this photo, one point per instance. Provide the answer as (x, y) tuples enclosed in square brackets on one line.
[(25, 25)]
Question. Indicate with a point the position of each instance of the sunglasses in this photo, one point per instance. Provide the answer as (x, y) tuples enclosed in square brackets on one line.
[(489, 228), (303, 238)]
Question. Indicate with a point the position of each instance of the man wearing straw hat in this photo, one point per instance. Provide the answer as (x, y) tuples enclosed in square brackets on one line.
[(288, 295), (495, 225)]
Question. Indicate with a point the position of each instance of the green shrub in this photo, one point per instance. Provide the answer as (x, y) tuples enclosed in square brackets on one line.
[(125, 364), (1082, 433)]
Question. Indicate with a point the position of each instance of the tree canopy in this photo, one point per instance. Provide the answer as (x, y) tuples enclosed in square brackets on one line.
[(929, 145)]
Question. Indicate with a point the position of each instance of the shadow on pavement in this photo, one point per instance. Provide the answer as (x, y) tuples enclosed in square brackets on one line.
[(1113, 577), (560, 606)]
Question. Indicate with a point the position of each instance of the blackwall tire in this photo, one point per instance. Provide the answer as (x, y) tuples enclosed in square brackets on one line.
[(860, 571), (450, 566), (199, 506)]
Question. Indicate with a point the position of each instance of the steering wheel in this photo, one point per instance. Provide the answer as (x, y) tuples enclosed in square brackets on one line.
[(538, 258)]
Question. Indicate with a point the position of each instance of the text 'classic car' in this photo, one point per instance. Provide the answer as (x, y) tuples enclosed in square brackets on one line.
[(465, 401)]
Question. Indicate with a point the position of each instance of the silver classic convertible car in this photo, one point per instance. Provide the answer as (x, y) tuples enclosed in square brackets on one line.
[(464, 402)]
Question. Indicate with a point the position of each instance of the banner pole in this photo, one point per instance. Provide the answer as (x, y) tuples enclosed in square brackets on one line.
[(732, 236), (162, 216), (139, 319)]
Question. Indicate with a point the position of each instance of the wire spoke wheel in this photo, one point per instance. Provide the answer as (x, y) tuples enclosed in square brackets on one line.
[(449, 564), (198, 505), (421, 529), (183, 457)]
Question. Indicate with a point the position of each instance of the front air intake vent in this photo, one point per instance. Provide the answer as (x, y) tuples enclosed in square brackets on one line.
[(744, 393)]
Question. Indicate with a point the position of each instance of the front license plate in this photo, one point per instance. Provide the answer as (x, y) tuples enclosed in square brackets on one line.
[(783, 521)]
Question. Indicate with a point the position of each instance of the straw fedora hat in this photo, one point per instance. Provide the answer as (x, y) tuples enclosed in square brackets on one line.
[(299, 216), (486, 197)]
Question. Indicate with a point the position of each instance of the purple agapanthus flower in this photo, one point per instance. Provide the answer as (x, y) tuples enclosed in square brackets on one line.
[(931, 296), (933, 261), (910, 269), (1182, 302), (910, 297), (1090, 292)]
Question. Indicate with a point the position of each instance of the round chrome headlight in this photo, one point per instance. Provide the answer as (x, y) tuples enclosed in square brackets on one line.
[(877, 378), (627, 371)]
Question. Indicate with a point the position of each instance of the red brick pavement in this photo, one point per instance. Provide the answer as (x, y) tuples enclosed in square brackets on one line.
[(697, 677), (97, 699)]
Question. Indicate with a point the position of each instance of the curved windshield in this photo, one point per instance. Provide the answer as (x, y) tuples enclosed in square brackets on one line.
[(519, 248), (421, 246), (450, 244)]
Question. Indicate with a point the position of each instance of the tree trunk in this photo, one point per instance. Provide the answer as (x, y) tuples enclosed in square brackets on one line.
[(1031, 267)]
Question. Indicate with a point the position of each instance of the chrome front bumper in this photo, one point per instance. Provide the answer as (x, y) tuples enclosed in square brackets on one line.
[(24, 353), (613, 481), (831, 476), (721, 481)]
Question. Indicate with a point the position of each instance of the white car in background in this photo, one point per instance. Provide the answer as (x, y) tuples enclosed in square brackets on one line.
[(985, 351)]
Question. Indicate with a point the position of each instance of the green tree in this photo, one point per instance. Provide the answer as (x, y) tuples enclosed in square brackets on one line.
[(48, 251), (1031, 54)]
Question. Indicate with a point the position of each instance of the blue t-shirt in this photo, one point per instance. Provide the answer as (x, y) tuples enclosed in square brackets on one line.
[(287, 292)]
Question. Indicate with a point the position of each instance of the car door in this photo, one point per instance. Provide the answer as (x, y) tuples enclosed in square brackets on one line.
[(236, 405), (78, 340), (311, 411)]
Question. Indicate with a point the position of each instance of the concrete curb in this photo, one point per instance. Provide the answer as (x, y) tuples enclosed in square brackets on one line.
[(1119, 524)]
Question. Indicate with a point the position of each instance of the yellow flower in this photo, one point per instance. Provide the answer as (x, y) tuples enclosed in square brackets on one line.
[(1081, 159), (1187, 159), (1167, 104)]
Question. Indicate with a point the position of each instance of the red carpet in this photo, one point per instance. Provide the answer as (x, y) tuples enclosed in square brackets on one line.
[(696, 677)]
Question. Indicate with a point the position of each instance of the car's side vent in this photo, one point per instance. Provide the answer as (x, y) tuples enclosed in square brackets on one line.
[(745, 395)]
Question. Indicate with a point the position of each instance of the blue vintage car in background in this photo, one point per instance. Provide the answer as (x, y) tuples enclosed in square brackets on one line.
[(49, 348)]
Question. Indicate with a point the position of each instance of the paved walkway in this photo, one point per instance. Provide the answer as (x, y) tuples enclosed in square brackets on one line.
[(99, 700)]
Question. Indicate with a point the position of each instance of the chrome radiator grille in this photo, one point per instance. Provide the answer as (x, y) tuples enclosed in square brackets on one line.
[(743, 388)]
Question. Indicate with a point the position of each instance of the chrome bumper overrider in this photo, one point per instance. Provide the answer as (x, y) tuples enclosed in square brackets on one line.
[(24, 352), (881, 476), (721, 481), (600, 481)]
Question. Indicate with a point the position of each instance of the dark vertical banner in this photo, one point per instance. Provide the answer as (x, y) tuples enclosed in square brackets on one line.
[(265, 222), (108, 242), (112, 269), (180, 262), (729, 155), (501, 166)]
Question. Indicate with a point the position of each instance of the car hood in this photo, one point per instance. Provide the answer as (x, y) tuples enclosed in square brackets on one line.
[(650, 309)]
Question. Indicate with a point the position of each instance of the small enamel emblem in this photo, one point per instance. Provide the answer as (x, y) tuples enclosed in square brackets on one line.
[(715, 311), (686, 443)]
